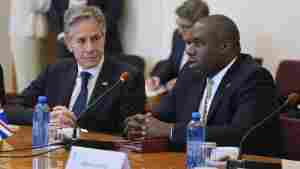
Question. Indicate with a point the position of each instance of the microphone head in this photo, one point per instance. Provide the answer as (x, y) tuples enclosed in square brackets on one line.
[(124, 76), (293, 99)]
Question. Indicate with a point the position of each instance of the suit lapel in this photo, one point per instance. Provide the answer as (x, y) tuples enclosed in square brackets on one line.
[(224, 87), (67, 88), (104, 81), (194, 95)]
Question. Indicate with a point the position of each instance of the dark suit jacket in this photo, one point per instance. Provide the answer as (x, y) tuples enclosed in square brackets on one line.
[(57, 84), (169, 69), (112, 10), (245, 96), (2, 89)]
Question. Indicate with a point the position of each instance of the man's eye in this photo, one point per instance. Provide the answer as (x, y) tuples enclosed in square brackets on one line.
[(95, 38), (80, 41), (198, 43)]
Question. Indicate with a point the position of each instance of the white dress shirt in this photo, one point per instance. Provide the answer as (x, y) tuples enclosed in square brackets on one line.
[(91, 83), (185, 57), (217, 79)]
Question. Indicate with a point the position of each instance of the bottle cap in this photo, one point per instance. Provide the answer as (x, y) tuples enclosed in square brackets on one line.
[(42, 99), (196, 115)]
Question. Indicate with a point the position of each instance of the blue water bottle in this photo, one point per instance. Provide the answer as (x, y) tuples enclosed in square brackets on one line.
[(195, 138), (40, 120), (3, 116)]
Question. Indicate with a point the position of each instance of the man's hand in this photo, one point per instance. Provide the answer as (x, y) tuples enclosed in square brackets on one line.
[(62, 117), (170, 84), (157, 128), (140, 126), (135, 126), (153, 83)]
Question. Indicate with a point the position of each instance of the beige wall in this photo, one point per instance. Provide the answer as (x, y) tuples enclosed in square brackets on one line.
[(6, 55)]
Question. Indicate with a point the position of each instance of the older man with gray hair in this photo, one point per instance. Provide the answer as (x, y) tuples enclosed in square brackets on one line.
[(73, 85)]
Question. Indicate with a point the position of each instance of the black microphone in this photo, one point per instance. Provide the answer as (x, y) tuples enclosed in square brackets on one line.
[(292, 100), (73, 141)]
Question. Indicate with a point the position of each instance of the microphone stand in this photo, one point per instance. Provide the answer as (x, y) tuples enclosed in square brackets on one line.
[(74, 140), (293, 99)]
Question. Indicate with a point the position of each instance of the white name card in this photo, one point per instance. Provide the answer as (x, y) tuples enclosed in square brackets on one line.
[(89, 158), (289, 164)]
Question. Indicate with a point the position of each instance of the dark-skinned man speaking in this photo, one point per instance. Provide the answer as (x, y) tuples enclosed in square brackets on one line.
[(241, 93)]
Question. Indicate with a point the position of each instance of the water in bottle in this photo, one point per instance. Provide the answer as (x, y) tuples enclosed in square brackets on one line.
[(195, 139), (40, 122)]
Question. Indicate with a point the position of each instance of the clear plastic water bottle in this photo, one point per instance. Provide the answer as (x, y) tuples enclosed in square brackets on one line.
[(40, 122), (194, 140)]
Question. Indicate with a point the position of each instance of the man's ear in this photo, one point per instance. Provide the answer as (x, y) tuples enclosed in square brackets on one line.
[(67, 42)]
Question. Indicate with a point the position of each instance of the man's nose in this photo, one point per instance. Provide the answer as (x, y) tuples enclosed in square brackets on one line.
[(89, 46), (187, 36), (190, 50)]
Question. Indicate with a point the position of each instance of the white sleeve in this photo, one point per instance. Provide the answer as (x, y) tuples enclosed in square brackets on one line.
[(74, 3)]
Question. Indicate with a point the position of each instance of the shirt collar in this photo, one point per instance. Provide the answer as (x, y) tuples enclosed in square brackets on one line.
[(94, 71), (219, 76)]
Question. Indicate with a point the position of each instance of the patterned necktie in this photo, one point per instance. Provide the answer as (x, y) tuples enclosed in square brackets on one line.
[(81, 101), (209, 84)]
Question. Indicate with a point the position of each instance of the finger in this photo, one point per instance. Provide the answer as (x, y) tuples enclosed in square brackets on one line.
[(60, 108), (135, 125), (70, 115), (68, 123), (64, 118), (148, 117), (136, 134), (138, 118), (129, 119), (54, 114)]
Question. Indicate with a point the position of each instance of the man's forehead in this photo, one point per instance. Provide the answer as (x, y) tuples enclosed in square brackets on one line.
[(180, 20), (200, 28), (86, 34)]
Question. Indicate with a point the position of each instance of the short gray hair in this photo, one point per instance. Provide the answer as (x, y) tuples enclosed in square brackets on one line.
[(76, 14)]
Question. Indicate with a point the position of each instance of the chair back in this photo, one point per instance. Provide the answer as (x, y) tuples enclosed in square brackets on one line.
[(291, 136), (133, 60), (287, 77)]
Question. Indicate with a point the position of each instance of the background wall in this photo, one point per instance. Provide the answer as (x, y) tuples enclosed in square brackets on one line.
[(269, 29), (6, 58)]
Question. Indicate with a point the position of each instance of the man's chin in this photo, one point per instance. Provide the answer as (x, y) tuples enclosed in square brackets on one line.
[(89, 65), (198, 69)]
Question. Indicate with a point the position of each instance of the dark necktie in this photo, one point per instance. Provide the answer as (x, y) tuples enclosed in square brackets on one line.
[(81, 101)]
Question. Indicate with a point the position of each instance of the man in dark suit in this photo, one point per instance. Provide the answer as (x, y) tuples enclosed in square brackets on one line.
[(112, 10), (228, 88), (72, 85), (166, 71), (2, 89)]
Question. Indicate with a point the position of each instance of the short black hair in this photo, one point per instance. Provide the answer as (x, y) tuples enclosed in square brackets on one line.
[(223, 26)]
